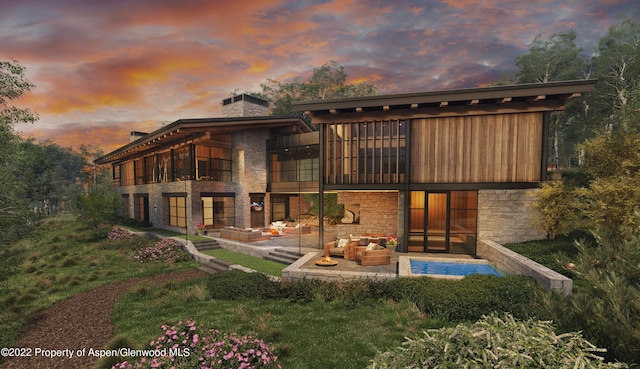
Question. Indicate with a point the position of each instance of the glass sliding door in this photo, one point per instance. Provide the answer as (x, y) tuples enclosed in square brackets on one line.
[(437, 216), (463, 218), (416, 221), (443, 222)]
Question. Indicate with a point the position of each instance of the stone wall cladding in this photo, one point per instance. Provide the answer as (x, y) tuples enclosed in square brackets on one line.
[(157, 208), (249, 170), (378, 213), (507, 216), (244, 109)]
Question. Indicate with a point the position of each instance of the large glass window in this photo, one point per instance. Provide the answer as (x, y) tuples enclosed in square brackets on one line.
[(116, 173), (295, 164), (142, 207), (443, 221), (177, 211), (213, 164), (138, 166), (125, 206), (164, 167), (126, 174), (151, 168), (366, 152), (182, 163), (218, 210)]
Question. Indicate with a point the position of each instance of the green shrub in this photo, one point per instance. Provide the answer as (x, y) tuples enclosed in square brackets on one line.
[(495, 341), (469, 298), (551, 253), (237, 285), (116, 343), (557, 209), (605, 304)]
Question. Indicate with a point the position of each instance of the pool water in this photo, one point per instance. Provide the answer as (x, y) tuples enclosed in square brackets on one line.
[(451, 268)]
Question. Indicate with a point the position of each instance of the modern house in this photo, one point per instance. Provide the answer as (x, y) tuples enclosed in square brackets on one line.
[(438, 169), (211, 171)]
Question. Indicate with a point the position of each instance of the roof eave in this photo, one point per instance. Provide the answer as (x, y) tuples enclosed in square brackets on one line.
[(176, 126), (447, 96)]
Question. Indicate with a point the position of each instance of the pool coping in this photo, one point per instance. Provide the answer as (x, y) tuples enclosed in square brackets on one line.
[(404, 266)]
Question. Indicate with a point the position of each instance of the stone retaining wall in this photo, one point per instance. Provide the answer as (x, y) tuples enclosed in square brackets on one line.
[(511, 262), (294, 272)]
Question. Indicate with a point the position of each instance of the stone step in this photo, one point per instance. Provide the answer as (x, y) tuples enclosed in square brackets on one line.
[(214, 266), (207, 245), (208, 269), (283, 256)]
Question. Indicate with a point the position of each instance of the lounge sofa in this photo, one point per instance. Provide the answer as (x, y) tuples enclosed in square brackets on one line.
[(368, 256), (335, 249)]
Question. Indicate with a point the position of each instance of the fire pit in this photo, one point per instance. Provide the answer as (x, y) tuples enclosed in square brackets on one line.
[(326, 260)]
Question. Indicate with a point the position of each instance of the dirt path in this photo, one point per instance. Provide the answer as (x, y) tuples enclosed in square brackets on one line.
[(81, 322)]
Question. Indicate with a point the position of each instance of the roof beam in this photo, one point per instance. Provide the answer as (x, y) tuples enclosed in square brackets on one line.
[(443, 104), (536, 98), (473, 102), (504, 100)]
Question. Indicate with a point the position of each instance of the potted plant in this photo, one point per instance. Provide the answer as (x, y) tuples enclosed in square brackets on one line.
[(200, 228), (392, 241)]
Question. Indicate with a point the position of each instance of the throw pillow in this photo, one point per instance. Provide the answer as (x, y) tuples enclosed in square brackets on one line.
[(372, 246), (343, 242)]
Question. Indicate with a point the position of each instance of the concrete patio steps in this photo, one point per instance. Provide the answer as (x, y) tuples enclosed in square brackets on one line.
[(207, 245), (213, 265), (283, 256)]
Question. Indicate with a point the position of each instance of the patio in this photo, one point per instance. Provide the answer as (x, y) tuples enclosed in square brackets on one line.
[(308, 245)]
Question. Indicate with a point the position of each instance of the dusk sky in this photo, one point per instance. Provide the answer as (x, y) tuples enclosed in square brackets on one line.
[(105, 68)]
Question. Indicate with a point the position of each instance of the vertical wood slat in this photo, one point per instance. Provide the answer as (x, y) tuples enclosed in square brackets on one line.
[(490, 148)]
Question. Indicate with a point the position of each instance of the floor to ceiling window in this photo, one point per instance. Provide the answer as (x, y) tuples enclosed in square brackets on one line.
[(443, 221), (218, 209)]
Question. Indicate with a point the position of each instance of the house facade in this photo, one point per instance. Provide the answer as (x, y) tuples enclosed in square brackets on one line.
[(211, 171), (438, 169)]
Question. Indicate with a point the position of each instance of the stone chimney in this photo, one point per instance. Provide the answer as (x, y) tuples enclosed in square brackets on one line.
[(135, 135), (244, 106)]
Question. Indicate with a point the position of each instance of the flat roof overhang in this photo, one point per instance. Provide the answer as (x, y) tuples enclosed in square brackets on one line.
[(549, 96), (187, 129)]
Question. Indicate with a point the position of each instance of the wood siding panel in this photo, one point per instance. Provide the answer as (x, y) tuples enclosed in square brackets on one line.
[(477, 149)]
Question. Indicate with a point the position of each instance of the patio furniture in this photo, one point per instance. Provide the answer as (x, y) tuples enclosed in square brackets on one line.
[(332, 249), (368, 256), (241, 234)]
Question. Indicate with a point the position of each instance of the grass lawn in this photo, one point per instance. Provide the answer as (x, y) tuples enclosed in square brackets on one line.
[(264, 266), (60, 260), (64, 259), (314, 335), (550, 253)]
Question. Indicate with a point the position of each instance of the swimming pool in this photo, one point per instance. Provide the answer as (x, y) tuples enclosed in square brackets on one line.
[(444, 267)]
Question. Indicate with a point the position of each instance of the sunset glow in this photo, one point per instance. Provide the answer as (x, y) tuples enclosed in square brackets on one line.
[(104, 68)]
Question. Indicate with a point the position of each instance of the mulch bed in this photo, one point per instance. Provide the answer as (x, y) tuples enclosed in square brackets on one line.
[(81, 322)]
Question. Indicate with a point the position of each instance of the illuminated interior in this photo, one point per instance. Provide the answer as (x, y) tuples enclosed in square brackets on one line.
[(443, 222)]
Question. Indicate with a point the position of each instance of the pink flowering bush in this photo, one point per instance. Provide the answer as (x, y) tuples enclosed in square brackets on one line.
[(191, 346), (165, 250), (118, 234)]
